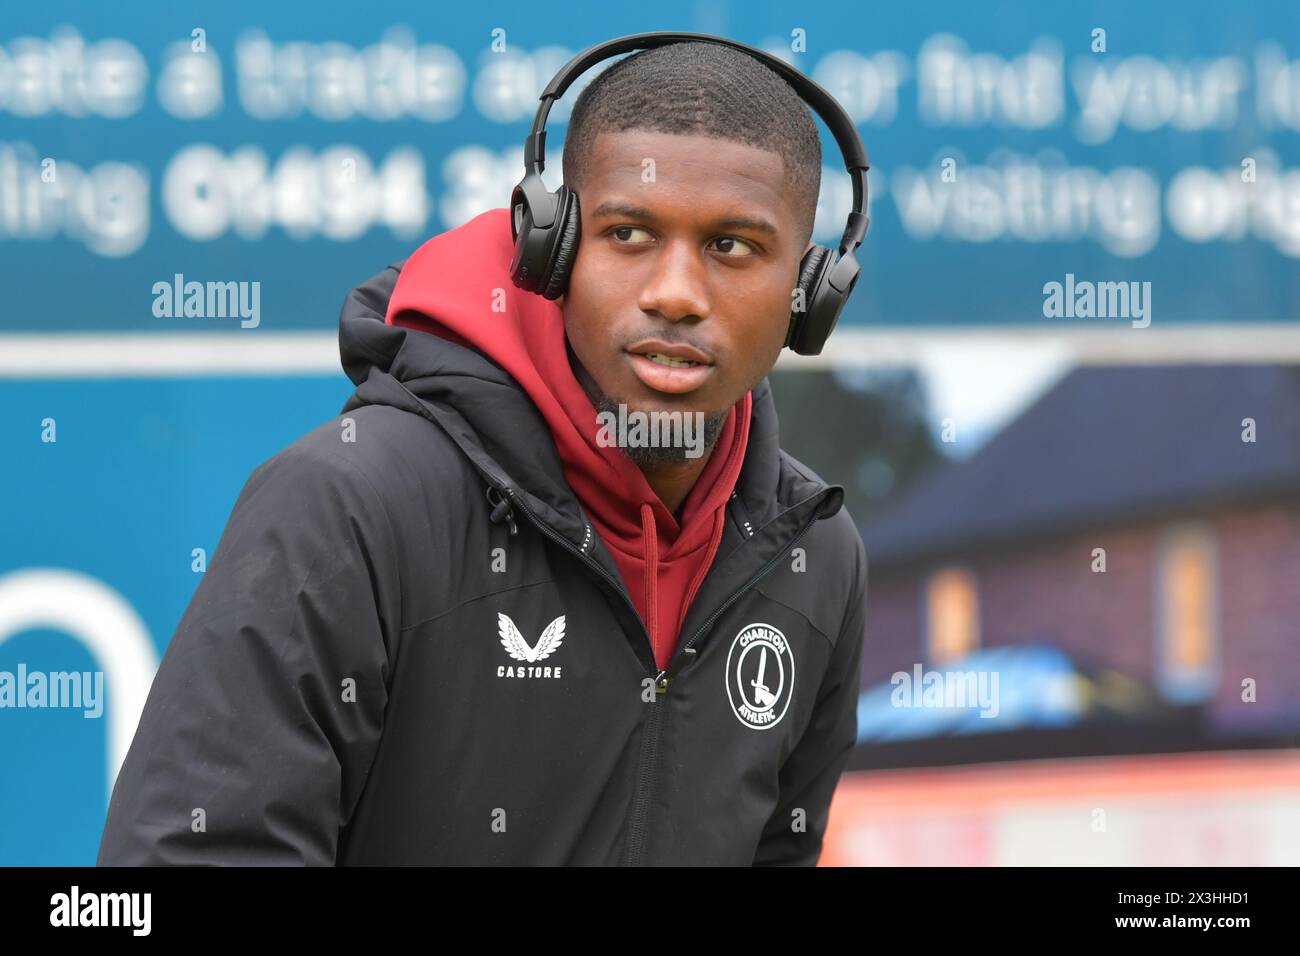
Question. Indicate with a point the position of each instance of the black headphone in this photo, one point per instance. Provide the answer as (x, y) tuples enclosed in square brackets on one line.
[(545, 224)]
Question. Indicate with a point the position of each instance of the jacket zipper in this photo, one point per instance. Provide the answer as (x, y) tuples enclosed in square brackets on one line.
[(688, 648), (636, 840), (635, 851)]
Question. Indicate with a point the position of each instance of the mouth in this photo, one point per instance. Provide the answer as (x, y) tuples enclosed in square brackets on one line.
[(671, 368)]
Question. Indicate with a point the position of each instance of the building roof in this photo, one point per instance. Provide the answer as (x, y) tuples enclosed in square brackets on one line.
[(1105, 444)]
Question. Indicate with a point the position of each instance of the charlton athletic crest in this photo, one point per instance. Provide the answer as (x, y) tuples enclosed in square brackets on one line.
[(760, 676)]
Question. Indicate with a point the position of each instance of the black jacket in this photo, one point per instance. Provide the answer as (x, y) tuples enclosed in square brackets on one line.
[(410, 646)]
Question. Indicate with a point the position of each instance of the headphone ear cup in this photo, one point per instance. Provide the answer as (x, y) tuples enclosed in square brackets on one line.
[(810, 270), (521, 223), (566, 247), (532, 244)]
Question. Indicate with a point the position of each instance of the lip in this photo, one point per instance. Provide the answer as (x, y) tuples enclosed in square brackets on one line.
[(665, 378), (672, 349)]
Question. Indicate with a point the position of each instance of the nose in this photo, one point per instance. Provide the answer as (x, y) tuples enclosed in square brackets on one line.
[(677, 287)]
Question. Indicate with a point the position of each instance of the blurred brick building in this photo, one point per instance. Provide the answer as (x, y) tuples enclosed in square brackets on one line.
[(1151, 471)]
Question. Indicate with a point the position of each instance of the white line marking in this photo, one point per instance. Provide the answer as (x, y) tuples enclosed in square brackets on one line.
[(256, 353)]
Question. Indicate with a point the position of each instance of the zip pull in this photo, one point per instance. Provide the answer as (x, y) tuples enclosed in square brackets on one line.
[(661, 682), (501, 509)]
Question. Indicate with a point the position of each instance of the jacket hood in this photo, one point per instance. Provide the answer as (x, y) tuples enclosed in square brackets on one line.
[(430, 343)]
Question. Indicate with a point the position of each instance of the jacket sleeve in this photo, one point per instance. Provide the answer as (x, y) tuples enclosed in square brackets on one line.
[(809, 775), (263, 719)]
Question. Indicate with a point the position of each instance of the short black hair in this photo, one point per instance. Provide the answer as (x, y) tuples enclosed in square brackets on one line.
[(706, 89)]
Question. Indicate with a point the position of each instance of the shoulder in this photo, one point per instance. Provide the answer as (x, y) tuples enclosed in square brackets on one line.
[(376, 439), (831, 559)]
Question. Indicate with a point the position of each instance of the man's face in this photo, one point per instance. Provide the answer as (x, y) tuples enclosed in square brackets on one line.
[(677, 251)]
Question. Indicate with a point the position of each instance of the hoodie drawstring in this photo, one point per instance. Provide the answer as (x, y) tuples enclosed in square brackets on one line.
[(719, 520), (650, 544)]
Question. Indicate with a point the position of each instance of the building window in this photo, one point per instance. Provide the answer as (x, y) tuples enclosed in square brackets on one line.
[(952, 615), (1186, 614)]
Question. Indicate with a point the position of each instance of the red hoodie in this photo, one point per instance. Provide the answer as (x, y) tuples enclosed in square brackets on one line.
[(445, 289)]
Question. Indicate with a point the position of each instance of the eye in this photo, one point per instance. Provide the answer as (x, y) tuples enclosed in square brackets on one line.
[(743, 244), (626, 229)]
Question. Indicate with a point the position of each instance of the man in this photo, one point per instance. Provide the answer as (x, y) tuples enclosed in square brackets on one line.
[(458, 625)]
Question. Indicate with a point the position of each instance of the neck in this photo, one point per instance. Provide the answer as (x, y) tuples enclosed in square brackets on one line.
[(673, 482)]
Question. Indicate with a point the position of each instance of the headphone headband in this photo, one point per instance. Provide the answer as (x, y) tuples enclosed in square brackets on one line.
[(825, 105)]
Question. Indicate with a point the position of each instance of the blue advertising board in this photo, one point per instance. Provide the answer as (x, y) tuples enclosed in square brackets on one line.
[(293, 150)]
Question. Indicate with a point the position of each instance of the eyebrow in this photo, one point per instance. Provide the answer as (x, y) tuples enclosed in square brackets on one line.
[(614, 208)]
